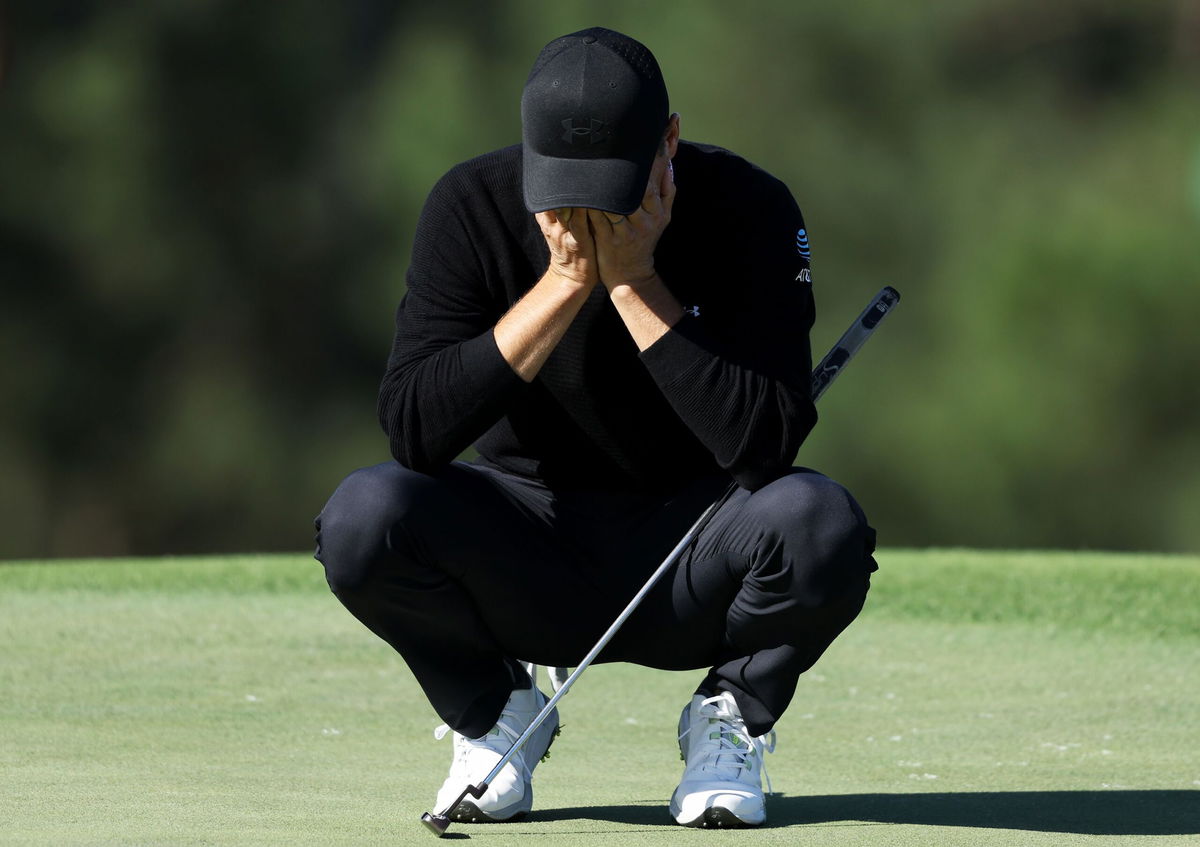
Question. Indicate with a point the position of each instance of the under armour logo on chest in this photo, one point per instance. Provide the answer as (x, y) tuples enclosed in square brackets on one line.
[(591, 130)]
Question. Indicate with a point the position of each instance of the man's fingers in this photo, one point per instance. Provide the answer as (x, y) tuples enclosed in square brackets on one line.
[(655, 200), (650, 199), (607, 220), (581, 232), (551, 217), (602, 222), (567, 234), (547, 220), (668, 187)]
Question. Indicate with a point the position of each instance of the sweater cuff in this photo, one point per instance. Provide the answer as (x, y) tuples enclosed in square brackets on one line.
[(486, 369), (682, 350)]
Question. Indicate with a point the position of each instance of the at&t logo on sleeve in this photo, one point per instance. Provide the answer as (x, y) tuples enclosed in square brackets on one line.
[(802, 244)]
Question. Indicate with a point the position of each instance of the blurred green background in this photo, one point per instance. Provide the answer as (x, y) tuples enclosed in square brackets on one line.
[(206, 209)]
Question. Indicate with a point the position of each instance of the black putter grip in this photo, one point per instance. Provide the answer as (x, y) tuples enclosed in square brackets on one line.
[(884, 302), (853, 338)]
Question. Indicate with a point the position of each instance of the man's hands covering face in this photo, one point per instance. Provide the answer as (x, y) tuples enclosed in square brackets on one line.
[(625, 245), (587, 245), (572, 247)]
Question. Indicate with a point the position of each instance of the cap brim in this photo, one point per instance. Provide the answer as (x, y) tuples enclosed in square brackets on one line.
[(611, 185)]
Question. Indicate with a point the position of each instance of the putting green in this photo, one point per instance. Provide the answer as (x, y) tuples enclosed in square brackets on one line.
[(982, 698)]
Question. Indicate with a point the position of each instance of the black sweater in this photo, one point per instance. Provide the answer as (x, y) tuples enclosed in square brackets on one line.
[(726, 388)]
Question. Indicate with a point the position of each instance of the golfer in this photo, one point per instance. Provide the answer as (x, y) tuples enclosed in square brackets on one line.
[(617, 320)]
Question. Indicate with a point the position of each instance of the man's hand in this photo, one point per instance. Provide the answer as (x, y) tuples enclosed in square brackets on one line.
[(624, 246), (532, 328), (625, 256), (572, 247)]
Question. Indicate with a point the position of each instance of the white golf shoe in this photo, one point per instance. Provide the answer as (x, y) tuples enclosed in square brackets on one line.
[(510, 794), (722, 776)]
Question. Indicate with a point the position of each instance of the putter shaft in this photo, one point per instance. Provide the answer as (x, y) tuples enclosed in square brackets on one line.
[(476, 791), (821, 378)]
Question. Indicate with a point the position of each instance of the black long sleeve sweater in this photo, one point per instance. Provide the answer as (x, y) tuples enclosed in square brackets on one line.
[(726, 388)]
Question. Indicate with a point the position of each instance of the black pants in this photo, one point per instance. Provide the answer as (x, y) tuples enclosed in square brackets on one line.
[(468, 571)]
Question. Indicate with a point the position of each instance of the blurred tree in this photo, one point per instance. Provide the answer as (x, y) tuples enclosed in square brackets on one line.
[(206, 209)]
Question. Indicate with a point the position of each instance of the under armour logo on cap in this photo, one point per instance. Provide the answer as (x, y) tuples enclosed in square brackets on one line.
[(593, 129)]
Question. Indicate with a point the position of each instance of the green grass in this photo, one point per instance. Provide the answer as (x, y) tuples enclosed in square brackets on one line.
[(982, 698)]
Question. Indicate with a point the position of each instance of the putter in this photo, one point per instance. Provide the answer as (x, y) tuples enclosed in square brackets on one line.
[(823, 375)]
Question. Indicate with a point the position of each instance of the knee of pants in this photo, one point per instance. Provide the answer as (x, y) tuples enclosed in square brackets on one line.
[(816, 544), (356, 527)]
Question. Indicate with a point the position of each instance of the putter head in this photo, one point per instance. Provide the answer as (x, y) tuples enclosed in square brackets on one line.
[(437, 824)]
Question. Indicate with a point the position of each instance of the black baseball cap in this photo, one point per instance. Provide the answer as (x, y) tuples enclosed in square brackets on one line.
[(593, 116)]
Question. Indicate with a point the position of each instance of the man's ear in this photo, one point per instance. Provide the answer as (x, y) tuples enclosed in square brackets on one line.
[(671, 136)]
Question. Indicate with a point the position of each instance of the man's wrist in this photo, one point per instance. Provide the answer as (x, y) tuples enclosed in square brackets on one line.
[(648, 309), (633, 281), (568, 280), (648, 293)]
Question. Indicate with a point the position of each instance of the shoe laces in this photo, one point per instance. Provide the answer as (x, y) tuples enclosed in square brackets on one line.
[(498, 739), (731, 746)]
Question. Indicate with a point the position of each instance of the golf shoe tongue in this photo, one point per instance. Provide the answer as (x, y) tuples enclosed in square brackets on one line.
[(723, 727)]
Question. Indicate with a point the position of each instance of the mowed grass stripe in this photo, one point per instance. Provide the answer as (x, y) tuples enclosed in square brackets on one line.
[(1110, 592), (233, 701)]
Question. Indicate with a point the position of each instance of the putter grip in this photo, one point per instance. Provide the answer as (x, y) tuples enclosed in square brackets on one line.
[(828, 368)]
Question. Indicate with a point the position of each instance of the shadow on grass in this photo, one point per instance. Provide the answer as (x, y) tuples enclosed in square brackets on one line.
[(1084, 812)]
